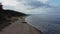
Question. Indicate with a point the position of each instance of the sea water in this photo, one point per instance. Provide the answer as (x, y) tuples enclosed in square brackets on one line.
[(47, 23)]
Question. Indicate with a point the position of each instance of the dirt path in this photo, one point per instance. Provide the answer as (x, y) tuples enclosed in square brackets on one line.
[(20, 28)]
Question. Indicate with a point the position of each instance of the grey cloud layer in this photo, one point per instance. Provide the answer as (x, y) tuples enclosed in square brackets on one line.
[(24, 5), (34, 3)]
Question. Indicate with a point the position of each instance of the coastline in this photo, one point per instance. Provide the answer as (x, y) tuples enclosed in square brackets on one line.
[(36, 28), (18, 27)]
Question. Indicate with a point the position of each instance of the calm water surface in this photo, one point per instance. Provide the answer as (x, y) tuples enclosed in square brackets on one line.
[(47, 23)]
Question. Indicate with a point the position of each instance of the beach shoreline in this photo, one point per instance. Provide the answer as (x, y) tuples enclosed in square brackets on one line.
[(20, 28)]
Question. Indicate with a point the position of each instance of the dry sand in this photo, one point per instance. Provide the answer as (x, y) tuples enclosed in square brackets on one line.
[(20, 28)]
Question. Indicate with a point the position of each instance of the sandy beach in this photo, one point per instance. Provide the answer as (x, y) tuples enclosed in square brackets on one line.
[(20, 28)]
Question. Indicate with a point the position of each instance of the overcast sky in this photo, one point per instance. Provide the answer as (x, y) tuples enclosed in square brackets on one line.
[(32, 6)]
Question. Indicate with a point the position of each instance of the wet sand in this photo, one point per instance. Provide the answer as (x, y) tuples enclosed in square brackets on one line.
[(20, 28)]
